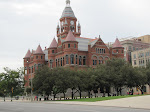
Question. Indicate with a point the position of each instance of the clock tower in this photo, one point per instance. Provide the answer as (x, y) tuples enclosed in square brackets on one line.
[(68, 22)]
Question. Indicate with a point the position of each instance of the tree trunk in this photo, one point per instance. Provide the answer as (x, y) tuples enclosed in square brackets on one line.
[(117, 92), (54, 97), (103, 94), (108, 91), (120, 91), (72, 95), (89, 95), (80, 94), (64, 96), (142, 91)]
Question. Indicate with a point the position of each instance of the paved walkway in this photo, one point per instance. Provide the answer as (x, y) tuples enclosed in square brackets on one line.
[(142, 102)]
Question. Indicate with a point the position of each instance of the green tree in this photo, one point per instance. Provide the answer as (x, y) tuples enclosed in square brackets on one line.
[(11, 81), (115, 69), (62, 80), (103, 78), (90, 81), (141, 78), (43, 82), (148, 73)]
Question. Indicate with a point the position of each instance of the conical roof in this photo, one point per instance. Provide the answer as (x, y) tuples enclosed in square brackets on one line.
[(116, 44), (70, 37), (39, 50), (53, 44), (28, 54), (68, 12)]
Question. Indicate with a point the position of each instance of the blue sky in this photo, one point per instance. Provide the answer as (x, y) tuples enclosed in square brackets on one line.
[(24, 24)]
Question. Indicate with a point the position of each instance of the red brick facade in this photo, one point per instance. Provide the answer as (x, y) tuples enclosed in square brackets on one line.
[(71, 49)]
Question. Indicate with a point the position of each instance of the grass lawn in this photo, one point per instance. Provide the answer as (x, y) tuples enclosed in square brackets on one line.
[(101, 98)]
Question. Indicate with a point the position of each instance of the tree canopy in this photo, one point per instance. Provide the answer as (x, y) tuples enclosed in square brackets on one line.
[(115, 73), (11, 81)]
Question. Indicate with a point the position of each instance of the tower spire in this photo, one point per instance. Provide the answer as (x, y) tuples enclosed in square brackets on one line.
[(68, 3)]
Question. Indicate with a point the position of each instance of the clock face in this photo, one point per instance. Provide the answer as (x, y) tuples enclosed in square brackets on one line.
[(72, 22)]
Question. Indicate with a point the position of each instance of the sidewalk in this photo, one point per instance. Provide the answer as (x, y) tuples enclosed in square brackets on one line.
[(142, 102)]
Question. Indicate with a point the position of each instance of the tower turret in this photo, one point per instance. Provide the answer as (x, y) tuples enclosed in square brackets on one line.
[(68, 22), (26, 67), (39, 57), (52, 50), (70, 48), (117, 49)]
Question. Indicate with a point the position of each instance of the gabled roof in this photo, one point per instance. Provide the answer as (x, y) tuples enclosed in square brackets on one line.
[(28, 54), (39, 50), (70, 37), (116, 44), (53, 44)]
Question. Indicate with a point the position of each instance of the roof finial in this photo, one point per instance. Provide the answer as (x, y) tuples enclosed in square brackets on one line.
[(99, 36), (68, 3)]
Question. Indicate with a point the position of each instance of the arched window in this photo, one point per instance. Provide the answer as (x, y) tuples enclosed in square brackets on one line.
[(51, 64), (117, 51), (84, 60), (67, 61), (56, 62), (80, 60), (99, 62), (34, 67), (95, 62), (61, 62), (39, 65), (76, 59), (100, 50), (68, 45), (29, 69), (25, 71), (72, 59)]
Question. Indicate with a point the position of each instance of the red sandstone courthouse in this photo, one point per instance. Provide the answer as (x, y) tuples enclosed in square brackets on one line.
[(70, 49)]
